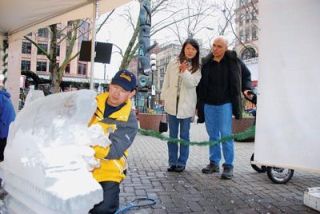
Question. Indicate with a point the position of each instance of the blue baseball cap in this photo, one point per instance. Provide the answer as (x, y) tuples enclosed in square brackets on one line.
[(125, 79)]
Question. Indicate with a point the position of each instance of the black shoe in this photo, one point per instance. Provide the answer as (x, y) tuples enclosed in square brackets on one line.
[(210, 168), (227, 172), (180, 168), (172, 168)]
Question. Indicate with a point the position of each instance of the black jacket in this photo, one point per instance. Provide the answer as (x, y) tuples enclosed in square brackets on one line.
[(239, 80)]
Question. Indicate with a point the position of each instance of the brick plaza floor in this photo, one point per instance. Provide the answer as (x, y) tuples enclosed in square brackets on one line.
[(194, 192)]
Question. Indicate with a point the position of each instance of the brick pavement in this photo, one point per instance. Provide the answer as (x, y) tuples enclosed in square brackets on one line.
[(194, 192)]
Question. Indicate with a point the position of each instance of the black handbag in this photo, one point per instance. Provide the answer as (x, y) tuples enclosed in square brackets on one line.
[(163, 125)]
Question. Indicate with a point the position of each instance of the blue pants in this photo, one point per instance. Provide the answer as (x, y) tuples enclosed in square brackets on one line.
[(173, 148), (110, 203), (218, 120)]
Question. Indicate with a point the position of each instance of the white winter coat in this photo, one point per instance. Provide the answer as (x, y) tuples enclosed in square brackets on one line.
[(188, 95)]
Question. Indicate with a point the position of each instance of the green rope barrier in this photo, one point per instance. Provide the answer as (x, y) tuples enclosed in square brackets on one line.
[(250, 132)]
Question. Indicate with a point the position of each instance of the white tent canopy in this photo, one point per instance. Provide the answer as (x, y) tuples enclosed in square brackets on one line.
[(18, 18)]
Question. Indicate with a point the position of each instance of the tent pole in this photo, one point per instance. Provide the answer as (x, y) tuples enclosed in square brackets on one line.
[(93, 42)]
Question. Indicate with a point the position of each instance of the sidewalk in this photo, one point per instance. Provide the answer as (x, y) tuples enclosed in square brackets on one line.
[(194, 192)]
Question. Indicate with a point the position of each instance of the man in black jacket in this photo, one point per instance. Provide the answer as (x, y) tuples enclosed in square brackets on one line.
[(224, 78)]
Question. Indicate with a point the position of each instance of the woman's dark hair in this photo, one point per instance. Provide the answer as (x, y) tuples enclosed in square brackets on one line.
[(195, 59)]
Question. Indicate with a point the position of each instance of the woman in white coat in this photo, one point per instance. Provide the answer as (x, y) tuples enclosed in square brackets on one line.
[(180, 98)]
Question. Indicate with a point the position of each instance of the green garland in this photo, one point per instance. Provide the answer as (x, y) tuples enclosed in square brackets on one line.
[(250, 132)]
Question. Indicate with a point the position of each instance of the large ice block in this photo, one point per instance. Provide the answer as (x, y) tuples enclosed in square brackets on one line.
[(48, 153)]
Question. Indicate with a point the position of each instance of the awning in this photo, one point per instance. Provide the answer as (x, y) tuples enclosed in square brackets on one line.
[(77, 79), (17, 18)]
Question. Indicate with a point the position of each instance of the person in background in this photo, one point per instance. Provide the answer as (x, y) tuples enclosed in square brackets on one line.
[(224, 78), (179, 97), (7, 115), (114, 114)]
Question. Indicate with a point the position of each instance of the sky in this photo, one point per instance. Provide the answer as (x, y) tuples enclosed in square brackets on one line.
[(114, 31)]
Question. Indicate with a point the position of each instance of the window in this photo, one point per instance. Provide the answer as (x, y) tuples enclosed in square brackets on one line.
[(59, 34), (71, 27), (247, 17), (84, 30), (82, 68), (69, 35), (162, 73), (26, 48), (168, 59), (43, 32), (254, 33), (241, 35), (241, 19), (41, 66), (58, 50), (67, 70), (247, 35), (254, 14), (25, 65), (70, 23), (59, 31), (67, 48), (248, 53), (162, 61), (243, 2), (44, 47)]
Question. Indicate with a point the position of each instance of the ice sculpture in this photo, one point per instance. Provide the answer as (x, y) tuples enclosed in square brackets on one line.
[(48, 154)]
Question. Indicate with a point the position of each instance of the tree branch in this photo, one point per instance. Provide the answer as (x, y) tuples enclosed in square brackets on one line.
[(105, 20), (38, 47)]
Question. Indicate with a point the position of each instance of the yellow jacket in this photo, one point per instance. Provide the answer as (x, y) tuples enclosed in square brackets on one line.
[(122, 127)]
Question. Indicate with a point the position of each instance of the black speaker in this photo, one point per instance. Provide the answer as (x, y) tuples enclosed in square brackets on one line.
[(103, 52)]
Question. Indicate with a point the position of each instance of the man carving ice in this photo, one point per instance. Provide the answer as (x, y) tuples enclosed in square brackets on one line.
[(114, 114)]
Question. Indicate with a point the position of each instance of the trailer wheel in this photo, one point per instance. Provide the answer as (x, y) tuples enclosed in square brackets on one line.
[(279, 175), (258, 169)]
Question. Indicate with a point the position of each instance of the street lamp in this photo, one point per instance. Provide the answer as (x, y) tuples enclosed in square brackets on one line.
[(153, 64)]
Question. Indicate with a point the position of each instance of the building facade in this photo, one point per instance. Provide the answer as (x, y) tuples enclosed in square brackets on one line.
[(247, 32), (247, 28), (166, 53)]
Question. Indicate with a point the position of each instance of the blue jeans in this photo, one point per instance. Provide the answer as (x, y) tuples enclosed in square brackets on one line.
[(218, 120), (173, 148)]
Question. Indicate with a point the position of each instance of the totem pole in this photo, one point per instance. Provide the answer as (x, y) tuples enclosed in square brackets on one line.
[(144, 38), (144, 68)]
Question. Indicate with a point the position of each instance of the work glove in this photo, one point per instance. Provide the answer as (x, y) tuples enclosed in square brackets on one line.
[(91, 163), (98, 136), (87, 154)]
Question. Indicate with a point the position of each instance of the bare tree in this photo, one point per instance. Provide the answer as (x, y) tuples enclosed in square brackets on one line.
[(219, 19), (164, 14), (71, 34), (199, 13), (209, 16)]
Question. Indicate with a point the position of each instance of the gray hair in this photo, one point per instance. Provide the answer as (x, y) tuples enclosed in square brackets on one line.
[(221, 38)]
